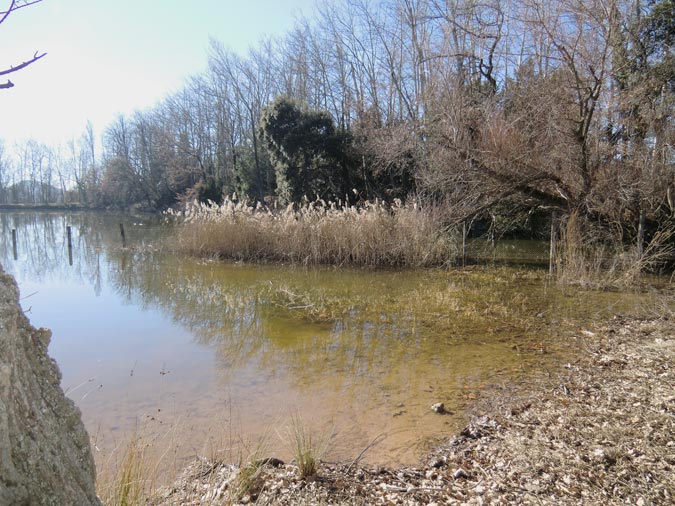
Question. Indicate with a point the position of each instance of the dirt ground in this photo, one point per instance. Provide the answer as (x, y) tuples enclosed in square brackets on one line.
[(600, 430)]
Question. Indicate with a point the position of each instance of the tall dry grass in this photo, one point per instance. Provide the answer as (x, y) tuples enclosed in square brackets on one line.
[(372, 234), (129, 481), (599, 261)]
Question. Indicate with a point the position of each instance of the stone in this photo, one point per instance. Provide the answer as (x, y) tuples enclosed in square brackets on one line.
[(439, 408), (45, 455), (438, 462), (459, 473), (270, 461)]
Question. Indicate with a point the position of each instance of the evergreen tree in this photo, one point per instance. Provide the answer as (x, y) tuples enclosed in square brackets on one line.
[(310, 156)]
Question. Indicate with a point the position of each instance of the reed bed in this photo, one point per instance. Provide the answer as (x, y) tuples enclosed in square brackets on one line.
[(372, 234), (594, 261)]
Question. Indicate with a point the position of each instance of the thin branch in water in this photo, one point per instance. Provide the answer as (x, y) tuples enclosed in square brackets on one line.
[(377, 440)]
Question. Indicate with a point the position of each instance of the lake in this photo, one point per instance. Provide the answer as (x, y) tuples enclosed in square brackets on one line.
[(217, 358)]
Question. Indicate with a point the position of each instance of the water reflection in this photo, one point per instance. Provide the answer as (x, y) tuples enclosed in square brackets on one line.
[(143, 336)]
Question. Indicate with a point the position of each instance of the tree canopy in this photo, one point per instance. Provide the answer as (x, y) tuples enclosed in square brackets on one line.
[(310, 156)]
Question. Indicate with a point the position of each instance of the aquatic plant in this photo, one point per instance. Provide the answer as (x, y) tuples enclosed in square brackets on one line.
[(319, 232)]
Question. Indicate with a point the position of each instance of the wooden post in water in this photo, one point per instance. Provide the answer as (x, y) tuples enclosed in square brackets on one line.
[(493, 239), (16, 256), (464, 232), (124, 237), (552, 253), (70, 245), (641, 235)]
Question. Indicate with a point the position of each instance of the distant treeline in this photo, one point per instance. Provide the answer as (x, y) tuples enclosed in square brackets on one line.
[(499, 111)]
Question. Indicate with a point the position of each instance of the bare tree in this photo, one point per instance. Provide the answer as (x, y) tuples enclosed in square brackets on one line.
[(5, 170), (253, 88)]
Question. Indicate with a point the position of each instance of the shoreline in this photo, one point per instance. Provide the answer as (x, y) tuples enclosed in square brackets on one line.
[(46, 207), (600, 430)]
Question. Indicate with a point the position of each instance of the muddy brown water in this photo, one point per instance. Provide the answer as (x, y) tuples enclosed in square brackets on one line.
[(212, 357)]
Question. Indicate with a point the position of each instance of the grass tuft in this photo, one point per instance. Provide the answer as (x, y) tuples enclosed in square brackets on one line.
[(129, 483), (308, 448)]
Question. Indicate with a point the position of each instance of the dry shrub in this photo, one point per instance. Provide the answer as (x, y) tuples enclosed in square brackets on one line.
[(592, 259), (372, 234)]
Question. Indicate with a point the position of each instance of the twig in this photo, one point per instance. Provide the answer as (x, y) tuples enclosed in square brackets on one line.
[(425, 489), (411, 489), (375, 441)]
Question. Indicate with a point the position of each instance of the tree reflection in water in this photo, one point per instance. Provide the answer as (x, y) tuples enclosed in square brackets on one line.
[(368, 351)]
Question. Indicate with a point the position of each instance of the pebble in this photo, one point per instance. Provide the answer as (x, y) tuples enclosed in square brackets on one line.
[(439, 408), (439, 462), (459, 473)]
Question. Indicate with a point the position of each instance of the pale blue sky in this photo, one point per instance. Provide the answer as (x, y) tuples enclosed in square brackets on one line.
[(111, 56)]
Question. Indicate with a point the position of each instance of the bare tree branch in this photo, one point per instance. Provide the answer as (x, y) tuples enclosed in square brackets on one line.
[(13, 7), (12, 69)]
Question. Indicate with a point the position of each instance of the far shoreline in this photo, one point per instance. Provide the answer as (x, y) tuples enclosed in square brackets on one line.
[(47, 207)]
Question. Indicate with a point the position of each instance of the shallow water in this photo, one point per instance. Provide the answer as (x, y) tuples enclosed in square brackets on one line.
[(214, 357)]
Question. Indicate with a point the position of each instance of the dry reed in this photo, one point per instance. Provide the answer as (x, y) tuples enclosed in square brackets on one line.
[(372, 234), (129, 481), (595, 261)]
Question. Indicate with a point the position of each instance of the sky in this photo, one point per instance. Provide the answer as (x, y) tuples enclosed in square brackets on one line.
[(107, 57)]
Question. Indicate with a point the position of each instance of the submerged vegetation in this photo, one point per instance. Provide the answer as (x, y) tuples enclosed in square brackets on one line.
[(392, 337), (593, 431)]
